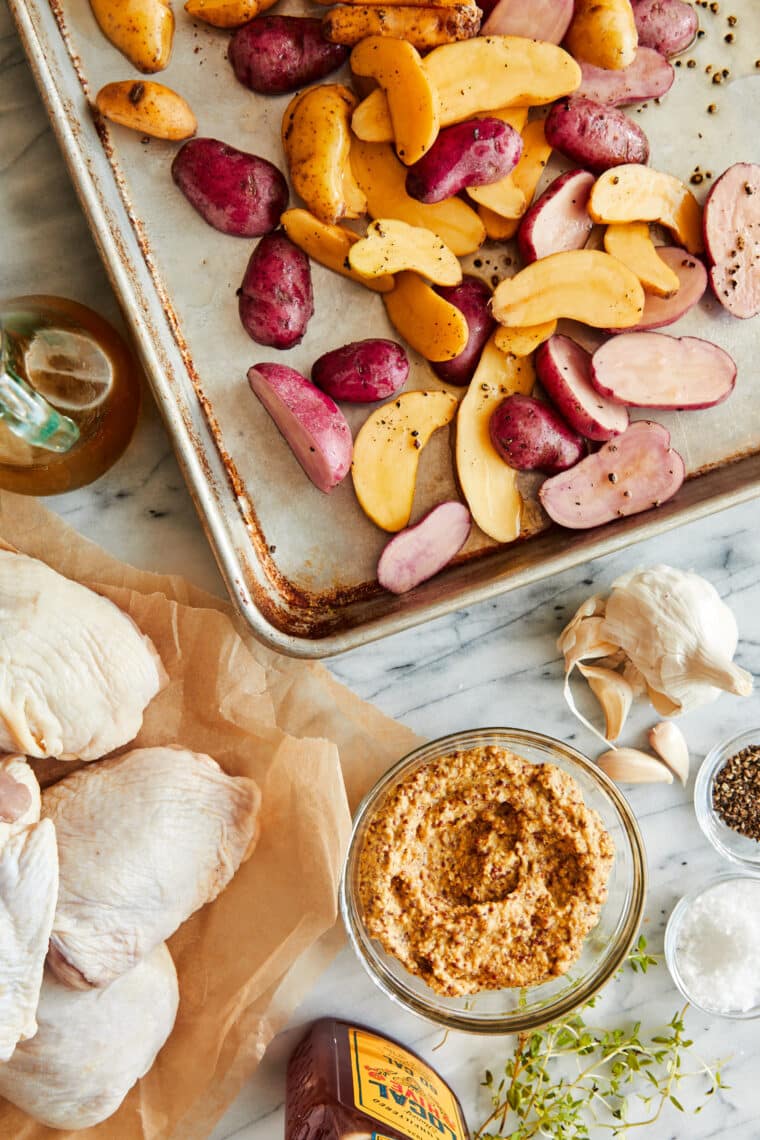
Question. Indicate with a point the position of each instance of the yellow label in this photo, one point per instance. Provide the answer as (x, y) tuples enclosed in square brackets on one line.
[(392, 1086)]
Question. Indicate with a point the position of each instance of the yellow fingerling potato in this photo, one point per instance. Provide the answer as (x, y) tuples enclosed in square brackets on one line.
[(603, 32), (382, 178), (635, 193), (147, 107), (523, 341), (580, 284), (432, 326), (226, 13), (488, 484), (424, 27), (330, 246), (522, 181), (410, 96), (316, 138), (142, 30), (391, 247), (478, 75), (387, 453), (631, 243)]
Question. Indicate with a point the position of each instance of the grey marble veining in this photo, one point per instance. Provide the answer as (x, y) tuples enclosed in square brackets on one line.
[(494, 664)]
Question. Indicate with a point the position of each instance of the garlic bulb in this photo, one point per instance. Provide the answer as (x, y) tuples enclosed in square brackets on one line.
[(680, 635)]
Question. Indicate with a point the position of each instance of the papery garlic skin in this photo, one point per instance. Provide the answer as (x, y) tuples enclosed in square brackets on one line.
[(680, 635)]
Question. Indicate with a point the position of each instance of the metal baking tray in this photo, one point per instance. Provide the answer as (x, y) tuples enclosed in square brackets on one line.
[(301, 565)]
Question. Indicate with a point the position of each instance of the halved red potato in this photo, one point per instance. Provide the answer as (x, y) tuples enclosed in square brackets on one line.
[(654, 370), (564, 369), (559, 219), (649, 77), (417, 553), (662, 311), (668, 26), (545, 20), (631, 473), (732, 239)]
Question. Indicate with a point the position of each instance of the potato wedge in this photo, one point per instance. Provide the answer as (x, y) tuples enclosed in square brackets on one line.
[(603, 32), (226, 13), (634, 193), (611, 295), (480, 74), (411, 97), (431, 325), (522, 341), (383, 179), (316, 138), (387, 454), (425, 27), (142, 30), (147, 107), (390, 246), (487, 483), (631, 243), (510, 198), (330, 246)]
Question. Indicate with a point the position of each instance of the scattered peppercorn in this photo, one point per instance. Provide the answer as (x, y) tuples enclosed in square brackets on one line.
[(729, 37), (711, 109), (736, 792)]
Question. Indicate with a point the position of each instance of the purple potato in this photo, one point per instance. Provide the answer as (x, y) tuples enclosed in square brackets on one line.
[(595, 135), (530, 436), (277, 54), (235, 192), (474, 153), (472, 297), (362, 372), (276, 300)]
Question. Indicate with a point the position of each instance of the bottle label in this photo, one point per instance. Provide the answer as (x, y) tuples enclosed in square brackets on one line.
[(398, 1089)]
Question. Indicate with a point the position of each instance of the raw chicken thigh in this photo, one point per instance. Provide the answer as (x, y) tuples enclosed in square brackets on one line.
[(144, 840), (28, 892), (91, 1047), (76, 674)]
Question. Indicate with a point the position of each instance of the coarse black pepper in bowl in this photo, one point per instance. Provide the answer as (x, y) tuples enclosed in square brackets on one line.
[(727, 798), (495, 880)]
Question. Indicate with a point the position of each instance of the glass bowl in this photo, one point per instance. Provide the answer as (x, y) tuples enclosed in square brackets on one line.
[(727, 842), (673, 930), (605, 947)]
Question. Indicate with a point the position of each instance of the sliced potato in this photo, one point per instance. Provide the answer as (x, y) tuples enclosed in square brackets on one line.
[(635, 193), (631, 243), (496, 209), (391, 247), (411, 97), (478, 75), (425, 27), (603, 32), (329, 245), (580, 284), (387, 454), (383, 179), (147, 107), (487, 483), (523, 341), (142, 30), (226, 13), (432, 326), (316, 138)]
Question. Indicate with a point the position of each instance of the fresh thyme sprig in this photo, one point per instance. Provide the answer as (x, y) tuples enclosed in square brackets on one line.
[(616, 1070)]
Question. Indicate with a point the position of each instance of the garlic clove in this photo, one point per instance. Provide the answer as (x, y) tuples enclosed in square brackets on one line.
[(669, 743), (662, 703), (635, 679), (587, 643), (592, 607), (614, 694), (630, 766)]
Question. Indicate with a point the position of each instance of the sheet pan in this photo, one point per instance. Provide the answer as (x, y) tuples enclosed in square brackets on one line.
[(300, 565)]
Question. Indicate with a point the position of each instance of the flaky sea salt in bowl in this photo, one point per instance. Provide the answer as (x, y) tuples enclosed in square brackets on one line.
[(711, 943)]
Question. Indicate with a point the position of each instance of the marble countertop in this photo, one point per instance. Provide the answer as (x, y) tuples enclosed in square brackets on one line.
[(495, 663)]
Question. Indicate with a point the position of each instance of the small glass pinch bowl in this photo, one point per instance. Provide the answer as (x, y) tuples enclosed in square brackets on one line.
[(604, 949), (729, 843), (673, 953)]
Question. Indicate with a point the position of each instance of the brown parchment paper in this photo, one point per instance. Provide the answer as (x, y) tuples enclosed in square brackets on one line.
[(246, 960)]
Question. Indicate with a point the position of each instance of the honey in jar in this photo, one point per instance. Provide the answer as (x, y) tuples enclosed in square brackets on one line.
[(345, 1080), (69, 395)]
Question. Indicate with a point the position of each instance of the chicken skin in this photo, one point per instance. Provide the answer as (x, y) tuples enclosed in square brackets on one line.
[(76, 674), (144, 840), (91, 1047)]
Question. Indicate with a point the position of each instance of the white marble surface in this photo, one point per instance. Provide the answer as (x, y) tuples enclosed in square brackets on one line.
[(493, 664)]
